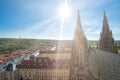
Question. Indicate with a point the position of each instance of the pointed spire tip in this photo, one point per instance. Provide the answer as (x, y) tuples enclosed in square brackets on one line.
[(104, 12), (78, 12)]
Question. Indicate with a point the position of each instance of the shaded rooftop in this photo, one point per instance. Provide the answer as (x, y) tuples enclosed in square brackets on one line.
[(104, 65)]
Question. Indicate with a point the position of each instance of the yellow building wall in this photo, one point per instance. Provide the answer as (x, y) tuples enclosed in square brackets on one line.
[(56, 56)]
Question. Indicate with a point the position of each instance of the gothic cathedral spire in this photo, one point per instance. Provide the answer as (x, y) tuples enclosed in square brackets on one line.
[(106, 41), (79, 56), (105, 28)]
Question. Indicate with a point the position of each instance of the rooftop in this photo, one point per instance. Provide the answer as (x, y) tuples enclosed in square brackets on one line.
[(45, 64), (104, 65)]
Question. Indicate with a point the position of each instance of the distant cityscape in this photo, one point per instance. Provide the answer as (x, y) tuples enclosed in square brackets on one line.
[(77, 59)]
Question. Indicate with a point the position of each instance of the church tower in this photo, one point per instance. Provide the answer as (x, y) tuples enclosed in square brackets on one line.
[(106, 41), (79, 56)]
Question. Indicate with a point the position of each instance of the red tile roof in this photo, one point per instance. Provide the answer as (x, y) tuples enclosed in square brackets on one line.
[(14, 55), (46, 64)]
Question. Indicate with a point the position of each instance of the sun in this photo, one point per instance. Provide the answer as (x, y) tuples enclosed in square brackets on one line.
[(64, 11)]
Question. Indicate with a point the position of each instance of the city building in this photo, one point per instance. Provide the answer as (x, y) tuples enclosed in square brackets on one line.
[(8, 63), (2, 76), (54, 55), (8, 71), (44, 70), (106, 41), (79, 68)]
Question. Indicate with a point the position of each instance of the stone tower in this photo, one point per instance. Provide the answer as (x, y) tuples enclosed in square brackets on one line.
[(106, 41), (79, 56)]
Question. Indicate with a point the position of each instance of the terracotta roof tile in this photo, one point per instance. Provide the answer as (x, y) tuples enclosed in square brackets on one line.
[(49, 64)]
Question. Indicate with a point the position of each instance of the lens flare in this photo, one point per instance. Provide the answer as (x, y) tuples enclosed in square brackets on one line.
[(64, 11)]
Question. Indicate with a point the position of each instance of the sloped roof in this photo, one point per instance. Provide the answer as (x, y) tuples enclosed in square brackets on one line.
[(104, 65), (45, 64)]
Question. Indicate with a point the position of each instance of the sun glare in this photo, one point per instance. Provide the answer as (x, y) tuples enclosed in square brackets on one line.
[(64, 11)]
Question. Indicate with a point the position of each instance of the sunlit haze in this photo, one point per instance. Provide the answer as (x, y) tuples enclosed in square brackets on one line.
[(64, 11), (42, 19)]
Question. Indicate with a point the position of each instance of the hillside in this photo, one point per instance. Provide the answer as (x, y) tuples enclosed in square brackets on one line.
[(8, 45)]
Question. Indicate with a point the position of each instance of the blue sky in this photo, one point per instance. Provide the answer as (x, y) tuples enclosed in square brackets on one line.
[(39, 18)]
